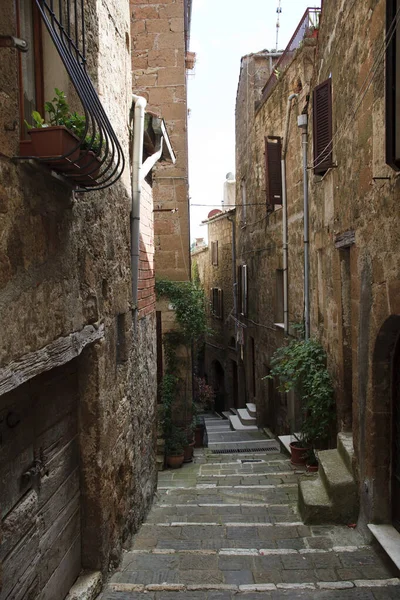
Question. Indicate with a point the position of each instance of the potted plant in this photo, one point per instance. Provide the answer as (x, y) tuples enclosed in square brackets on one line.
[(174, 447), (49, 140), (301, 366)]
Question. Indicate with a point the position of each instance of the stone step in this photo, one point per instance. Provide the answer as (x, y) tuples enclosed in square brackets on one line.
[(237, 425), (389, 539), (339, 484), (245, 417), (346, 449), (251, 407), (228, 413), (314, 503)]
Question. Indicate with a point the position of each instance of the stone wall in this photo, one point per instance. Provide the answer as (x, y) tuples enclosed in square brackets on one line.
[(65, 263), (159, 74), (259, 231), (220, 344), (355, 288)]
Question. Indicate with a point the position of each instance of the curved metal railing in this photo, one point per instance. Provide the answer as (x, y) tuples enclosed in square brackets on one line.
[(101, 161)]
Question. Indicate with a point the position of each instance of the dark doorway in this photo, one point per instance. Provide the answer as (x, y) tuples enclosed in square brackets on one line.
[(219, 386), (396, 439), (235, 384)]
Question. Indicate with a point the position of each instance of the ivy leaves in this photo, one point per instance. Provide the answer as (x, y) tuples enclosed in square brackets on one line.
[(188, 301), (301, 366)]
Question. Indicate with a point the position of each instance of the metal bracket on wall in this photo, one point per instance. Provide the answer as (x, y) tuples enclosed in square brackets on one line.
[(9, 41)]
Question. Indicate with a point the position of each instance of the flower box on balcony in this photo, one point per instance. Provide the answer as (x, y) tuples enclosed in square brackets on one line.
[(51, 142)]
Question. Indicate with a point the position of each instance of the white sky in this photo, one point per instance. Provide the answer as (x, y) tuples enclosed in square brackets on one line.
[(222, 32)]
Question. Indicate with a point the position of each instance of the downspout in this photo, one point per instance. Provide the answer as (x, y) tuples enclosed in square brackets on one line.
[(285, 218), (302, 121), (234, 282), (137, 160)]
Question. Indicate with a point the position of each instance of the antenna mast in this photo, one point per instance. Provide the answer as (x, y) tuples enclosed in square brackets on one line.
[(279, 11)]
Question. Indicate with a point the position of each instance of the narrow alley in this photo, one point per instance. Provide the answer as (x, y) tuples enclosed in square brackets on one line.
[(227, 526)]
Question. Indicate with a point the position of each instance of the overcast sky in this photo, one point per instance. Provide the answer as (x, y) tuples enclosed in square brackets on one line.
[(222, 32)]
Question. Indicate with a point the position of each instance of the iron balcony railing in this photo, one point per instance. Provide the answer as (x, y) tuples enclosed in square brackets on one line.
[(65, 22), (308, 23)]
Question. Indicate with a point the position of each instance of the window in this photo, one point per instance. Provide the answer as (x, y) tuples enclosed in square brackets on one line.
[(242, 290), (273, 173), (243, 194), (392, 87), (322, 127), (214, 253), (217, 306), (30, 63), (279, 317)]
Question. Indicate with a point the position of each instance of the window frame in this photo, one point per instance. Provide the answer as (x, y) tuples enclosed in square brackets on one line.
[(323, 161), (217, 303), (38, 62), (214, 253), (242, 290), (273, 182)]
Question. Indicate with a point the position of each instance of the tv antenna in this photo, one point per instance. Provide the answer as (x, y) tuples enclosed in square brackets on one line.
[(279, 11)]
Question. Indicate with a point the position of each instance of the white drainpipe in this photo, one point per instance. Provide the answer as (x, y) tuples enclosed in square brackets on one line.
[(139, 171), (285, 218), (137, 160)]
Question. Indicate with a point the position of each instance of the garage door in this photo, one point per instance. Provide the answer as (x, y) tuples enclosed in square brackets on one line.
[(39, 487)]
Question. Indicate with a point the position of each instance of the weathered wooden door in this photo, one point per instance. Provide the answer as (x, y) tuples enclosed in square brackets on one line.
[(39, 487), (396, 439)]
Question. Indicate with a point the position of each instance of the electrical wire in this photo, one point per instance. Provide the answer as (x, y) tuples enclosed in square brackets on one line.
[(362, 93)]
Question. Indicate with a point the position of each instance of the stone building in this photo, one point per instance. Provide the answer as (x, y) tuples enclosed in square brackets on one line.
[(160, 60), (215, 268), (339, 72), (77, 358)]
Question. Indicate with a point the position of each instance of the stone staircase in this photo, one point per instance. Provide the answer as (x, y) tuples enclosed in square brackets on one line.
[(331, 497), (242, 419)]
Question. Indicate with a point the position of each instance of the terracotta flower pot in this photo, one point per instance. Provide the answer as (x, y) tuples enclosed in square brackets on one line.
[(175, 462), (51, 142), (299, 453), (198, 436), (188, 452)]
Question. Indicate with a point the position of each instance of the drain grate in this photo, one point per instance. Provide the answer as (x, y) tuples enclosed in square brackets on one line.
[(270, 449), (251, 460)]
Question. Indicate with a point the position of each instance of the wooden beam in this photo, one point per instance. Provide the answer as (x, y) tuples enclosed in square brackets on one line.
[(346, 239), (53, 355)]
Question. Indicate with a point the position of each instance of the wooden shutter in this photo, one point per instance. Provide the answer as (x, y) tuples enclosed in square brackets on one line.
[(244, 290), (214, 253), (273, 173), (239, 289), (322, 125), (220, 303)]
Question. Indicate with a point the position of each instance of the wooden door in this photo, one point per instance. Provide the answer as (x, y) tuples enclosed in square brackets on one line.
[(39, 487), (396, 440)]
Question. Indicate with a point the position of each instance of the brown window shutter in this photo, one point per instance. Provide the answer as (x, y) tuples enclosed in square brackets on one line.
[(245, 291), (322, 125), (273, 173), (220, 303)]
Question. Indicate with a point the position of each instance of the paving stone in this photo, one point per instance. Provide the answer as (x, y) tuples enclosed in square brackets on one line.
[(199, 576), (198, 562), (238, 577), (235, 563)]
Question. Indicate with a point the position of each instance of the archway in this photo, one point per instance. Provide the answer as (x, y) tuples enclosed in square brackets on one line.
[(383, 426), (218, 380)]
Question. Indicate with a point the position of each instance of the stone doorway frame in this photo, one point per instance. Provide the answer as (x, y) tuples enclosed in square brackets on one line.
[(379, 423)]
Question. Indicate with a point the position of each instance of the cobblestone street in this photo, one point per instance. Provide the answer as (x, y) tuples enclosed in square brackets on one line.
[(226, 526)]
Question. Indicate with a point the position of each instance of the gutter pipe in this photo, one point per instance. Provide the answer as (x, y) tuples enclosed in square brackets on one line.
[(285, 218), (302, 122), (139, 171)]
